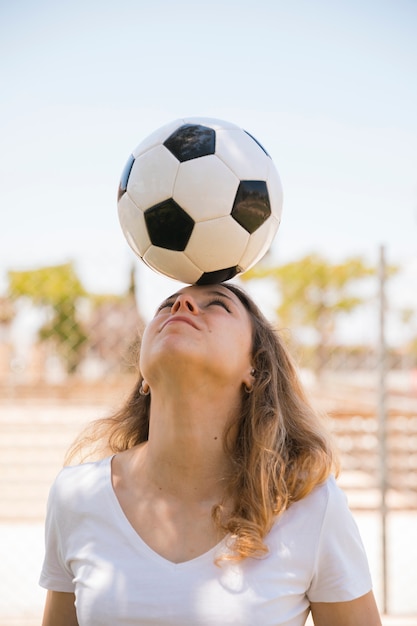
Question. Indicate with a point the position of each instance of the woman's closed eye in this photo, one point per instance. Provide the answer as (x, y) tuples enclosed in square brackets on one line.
[(164, 305), (219, 302)]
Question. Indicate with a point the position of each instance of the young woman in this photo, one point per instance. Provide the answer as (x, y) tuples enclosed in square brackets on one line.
[(213, 501)]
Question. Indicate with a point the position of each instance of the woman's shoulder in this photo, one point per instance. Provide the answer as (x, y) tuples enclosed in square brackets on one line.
[(326, 493), (85, 478), (326, 498), (331, 498), (301, 526)]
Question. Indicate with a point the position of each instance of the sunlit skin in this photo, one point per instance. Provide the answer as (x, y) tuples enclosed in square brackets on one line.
[(195, 358)]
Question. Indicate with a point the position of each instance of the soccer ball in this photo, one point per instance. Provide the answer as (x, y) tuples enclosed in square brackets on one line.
[(200, 200)]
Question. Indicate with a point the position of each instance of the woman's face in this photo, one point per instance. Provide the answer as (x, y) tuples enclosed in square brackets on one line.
[(199, 329)]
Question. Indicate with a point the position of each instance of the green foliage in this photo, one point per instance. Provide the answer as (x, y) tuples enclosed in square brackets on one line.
[(46, 285), (58, 288), (65, 330), (314, 292)]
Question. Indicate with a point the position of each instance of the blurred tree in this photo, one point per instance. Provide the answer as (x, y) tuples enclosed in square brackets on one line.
[(313, 293), (57, 288), (114, 328)]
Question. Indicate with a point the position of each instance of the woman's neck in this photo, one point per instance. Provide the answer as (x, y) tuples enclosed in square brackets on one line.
[(185, 450)]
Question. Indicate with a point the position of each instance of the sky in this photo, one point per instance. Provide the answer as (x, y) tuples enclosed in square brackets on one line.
[(328, 87)]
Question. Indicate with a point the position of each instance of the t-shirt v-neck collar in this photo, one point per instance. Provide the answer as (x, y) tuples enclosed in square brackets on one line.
[(137, 540)]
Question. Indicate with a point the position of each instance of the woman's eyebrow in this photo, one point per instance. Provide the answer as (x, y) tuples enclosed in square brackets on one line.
[(216, 292)]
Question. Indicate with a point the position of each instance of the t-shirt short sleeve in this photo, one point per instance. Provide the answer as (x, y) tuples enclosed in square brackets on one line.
[(341, 571), (55, 574)]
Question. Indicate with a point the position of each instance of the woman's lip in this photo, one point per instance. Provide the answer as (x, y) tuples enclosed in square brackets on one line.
[(180, 318)]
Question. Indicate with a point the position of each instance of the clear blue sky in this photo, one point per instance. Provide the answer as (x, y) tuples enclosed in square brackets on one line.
[(329, 87)]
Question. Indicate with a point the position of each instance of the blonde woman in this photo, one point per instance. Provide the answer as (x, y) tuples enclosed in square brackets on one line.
[(213, 501)]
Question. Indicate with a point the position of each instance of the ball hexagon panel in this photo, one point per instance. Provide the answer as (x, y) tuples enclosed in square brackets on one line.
[(259, 243), (157, 137), (191, 141), (259, 144), (251, 207), (217, 244), (205, 188), (132, 221), (242, 154), (275, 191), (168, 225), (146, 186), (173, 264)]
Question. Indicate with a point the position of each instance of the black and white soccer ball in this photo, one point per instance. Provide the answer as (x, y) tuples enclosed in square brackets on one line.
[(200, 200)]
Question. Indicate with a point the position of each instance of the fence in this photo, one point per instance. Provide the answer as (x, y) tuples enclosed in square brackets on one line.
[(67, 357)]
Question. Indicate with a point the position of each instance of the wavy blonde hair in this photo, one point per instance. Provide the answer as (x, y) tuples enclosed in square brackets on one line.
[(279, 446)]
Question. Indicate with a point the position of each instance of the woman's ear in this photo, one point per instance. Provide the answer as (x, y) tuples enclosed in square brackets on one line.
[(249, 379), (144, 389)]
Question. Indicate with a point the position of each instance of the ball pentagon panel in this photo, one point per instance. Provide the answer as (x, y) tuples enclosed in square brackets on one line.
[(219, 276), (251, 207), (191, 141), (212, 122), (168, 225)]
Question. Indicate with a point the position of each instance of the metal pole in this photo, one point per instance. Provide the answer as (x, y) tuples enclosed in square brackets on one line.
[(382, 426)]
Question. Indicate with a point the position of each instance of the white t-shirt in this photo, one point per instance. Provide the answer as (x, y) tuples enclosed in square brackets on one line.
[(315, 555)]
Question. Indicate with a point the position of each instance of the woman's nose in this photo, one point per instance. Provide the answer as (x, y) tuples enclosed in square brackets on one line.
[(185, 302)]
